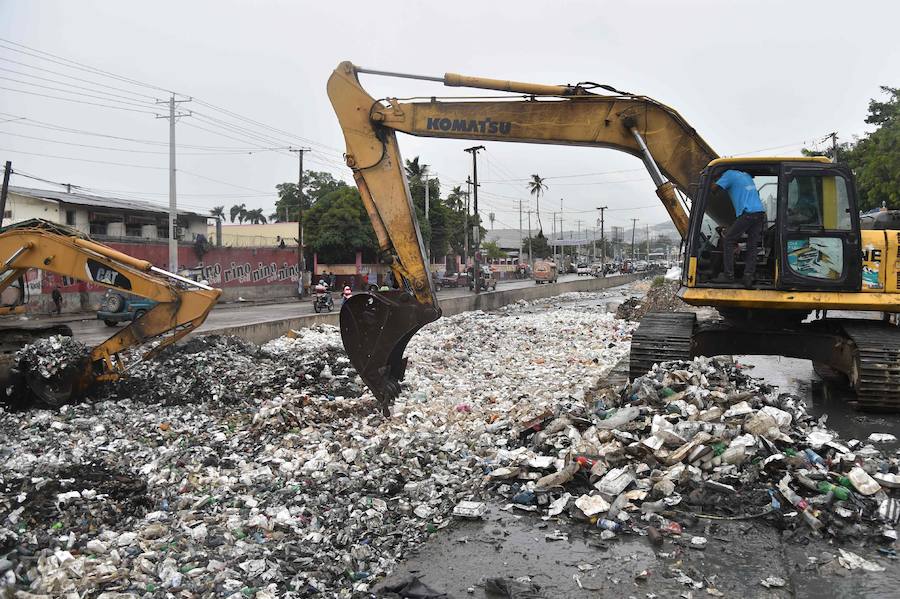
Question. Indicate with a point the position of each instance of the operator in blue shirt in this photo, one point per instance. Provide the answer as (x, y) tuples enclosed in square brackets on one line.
[(750, 219)]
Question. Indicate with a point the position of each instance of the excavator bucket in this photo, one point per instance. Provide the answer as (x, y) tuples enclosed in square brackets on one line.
[(375, 329)]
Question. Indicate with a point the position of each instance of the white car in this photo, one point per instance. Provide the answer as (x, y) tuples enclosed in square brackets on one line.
[(583, 269)]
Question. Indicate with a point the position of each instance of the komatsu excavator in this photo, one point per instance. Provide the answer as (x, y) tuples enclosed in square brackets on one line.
[(182, 306), (813, 255)]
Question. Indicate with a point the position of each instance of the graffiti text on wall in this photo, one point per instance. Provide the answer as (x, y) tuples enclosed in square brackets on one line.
[(245, 273)]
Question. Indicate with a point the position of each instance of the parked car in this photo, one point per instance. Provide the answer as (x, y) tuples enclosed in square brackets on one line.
[(117, 307), (545, 272), (583, 269), (452, 279)]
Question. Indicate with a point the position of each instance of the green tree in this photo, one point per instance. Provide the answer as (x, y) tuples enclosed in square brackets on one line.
[(316, 184), (539, 246), (537, 187), (337, 226), (875, 158), (493, 251), (237, 212), (255, 217), (218, 212)]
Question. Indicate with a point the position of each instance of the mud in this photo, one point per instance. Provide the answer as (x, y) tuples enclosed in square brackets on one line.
[(83, 497)]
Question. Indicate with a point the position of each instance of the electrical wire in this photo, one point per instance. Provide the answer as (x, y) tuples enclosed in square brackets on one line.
[(22, 91), (61, 74), (130, 165)]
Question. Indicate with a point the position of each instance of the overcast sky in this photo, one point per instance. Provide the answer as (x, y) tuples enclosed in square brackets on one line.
[(750, 76)]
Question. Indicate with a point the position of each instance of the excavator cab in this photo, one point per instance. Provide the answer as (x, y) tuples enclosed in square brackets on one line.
[(811, 239)]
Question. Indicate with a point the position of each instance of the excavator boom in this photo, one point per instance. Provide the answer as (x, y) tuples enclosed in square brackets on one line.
[(377, 326), (181, 304)]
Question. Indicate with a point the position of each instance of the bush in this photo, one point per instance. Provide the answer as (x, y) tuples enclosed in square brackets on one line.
[(658, 281)]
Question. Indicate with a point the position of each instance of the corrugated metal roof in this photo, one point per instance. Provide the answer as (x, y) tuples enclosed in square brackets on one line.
[(84, 199)]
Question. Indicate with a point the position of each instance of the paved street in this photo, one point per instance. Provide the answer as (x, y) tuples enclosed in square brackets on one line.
[(92, 332)]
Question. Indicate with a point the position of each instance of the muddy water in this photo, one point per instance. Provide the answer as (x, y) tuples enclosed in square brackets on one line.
[(736, 558)]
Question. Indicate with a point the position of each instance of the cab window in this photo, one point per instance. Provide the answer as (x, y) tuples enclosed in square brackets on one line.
[(818, 202)]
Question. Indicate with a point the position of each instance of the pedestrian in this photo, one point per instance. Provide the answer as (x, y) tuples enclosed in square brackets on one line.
[(348, 293), (56, 295), (332, 280), (750, 218)]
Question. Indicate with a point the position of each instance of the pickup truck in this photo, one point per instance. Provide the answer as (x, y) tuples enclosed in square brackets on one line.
[(118, 307)]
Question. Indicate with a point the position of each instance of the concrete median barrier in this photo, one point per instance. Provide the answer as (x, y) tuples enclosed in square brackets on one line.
[(260, 332)]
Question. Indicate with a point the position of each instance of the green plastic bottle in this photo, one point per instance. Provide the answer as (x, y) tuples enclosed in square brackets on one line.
[(840, 493)]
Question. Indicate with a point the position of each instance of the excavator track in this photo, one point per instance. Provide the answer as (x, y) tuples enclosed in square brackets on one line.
[(875, 374), (661, 337)]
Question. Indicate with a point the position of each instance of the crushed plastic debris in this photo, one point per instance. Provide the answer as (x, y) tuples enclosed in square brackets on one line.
[(698, 439), (242, 469)]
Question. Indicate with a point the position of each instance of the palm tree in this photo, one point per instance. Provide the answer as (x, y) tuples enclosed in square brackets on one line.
[(218, 212), (255, 217), (414, 170), (537, 188), (454, 198), (238, 211)]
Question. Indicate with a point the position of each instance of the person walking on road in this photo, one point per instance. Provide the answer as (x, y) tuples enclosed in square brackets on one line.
[(57, 300), (750, 219)]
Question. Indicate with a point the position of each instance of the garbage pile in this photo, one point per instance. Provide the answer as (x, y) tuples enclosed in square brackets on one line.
[(660, 297), (229, 370), (251, 475), (698, 439)]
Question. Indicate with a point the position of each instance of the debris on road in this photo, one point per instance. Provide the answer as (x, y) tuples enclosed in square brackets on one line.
[(660, 297), (699, 440), (268, 470)]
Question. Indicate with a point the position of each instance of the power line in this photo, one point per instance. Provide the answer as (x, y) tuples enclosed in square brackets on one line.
[(67, 62), (106, 95), (131, 151), (131, 165), (53, 127), (22, 91), (61, 74)]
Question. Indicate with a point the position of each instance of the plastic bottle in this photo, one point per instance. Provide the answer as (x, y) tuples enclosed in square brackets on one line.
[(807, 482), (840, 493), (558, 479), (813, 458), (620, 418), (790, 495), (607, 524)]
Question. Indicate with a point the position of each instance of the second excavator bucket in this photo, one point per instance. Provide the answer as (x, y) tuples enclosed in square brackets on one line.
[(375, 329)]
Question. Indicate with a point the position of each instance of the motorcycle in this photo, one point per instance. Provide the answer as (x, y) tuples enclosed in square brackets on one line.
[(323, 299)]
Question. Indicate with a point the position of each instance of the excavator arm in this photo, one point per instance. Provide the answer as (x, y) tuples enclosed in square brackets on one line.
[(181, 304), (373, 330)]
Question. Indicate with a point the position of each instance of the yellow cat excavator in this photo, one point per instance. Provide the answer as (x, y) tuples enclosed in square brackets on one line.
[(813, 254), (181, 306)]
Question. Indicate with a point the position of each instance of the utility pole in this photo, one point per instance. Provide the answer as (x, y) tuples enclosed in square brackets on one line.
[(427, 245), (578, 247), (834, 147), (633, 222), (602, 209), (4, 191), (173, 204), (466, 227), (301, 258), (476, 234), (529, 238), (520, 231), (648, 243)]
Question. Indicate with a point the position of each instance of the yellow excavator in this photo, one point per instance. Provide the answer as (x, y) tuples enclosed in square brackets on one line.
[(181, 306), (813, 254)]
